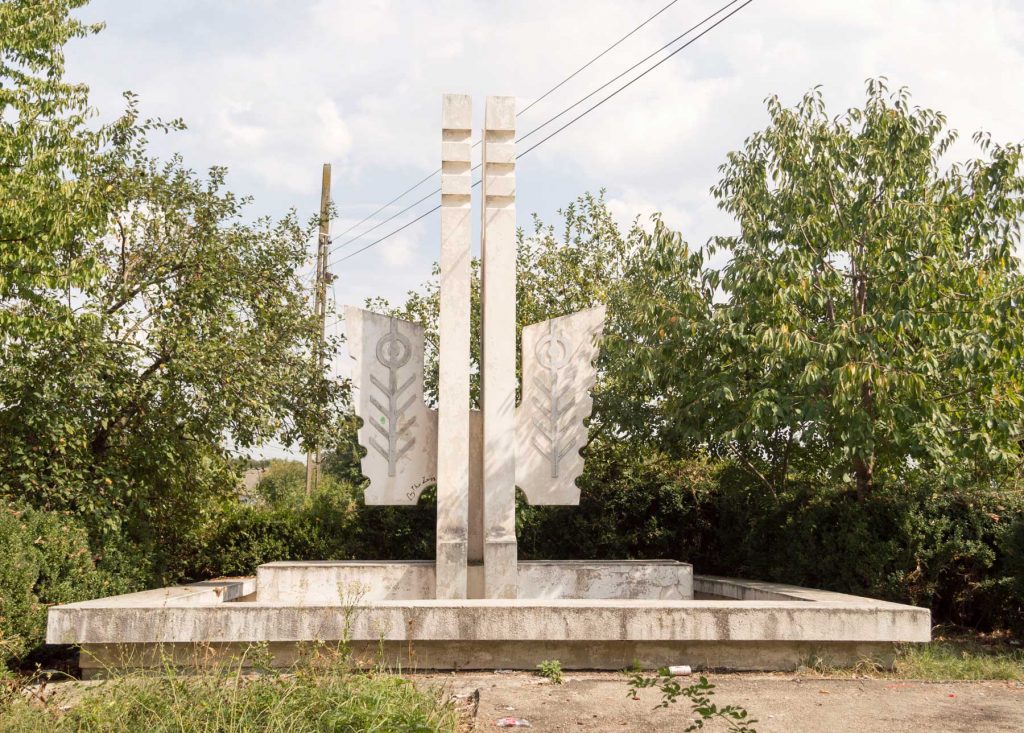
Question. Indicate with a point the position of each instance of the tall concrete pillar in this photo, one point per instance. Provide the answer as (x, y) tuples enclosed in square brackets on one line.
[(454, 328), (498, 370)]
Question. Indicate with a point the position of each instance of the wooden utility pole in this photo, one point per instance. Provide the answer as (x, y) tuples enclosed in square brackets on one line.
[(320, 308)]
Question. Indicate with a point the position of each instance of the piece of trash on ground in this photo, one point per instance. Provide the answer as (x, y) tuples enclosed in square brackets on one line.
[(513, 723), (680, 670)]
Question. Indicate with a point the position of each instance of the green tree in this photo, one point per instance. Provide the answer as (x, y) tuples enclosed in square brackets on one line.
[(870, 317), (57, 173), (588, 261), (149, 330)]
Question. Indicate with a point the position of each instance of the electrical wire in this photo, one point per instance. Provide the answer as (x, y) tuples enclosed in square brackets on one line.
[(646, 58), (574, 119), (636, 78), (562, 83), (408, 224), (428, 177)]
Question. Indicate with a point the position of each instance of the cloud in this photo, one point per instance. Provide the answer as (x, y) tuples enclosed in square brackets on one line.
[(275, 89), (399, 250)]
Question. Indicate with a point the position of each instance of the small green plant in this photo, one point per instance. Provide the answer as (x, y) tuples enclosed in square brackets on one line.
[(699, 694), (551, 669)]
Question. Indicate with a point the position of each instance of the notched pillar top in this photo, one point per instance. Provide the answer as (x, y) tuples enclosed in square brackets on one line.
[(456, 148)]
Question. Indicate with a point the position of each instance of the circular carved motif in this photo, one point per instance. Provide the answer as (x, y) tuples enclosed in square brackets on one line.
[(393, 350), (552, 351)]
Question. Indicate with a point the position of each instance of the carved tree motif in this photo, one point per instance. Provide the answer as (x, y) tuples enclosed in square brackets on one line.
[(553, 399), (393, 352), (558, 372), (399, 432)]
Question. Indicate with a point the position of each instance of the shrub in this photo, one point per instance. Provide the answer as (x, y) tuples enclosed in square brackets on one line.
[(960, 554), (45, 559), (920, 543), (333, 524), (19, 569), (245, 536)]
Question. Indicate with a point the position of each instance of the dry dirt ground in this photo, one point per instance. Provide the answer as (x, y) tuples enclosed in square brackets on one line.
[(597, 702)]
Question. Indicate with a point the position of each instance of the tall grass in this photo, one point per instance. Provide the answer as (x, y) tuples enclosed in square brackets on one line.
[(960, 659), (957, 657), (232, 698)]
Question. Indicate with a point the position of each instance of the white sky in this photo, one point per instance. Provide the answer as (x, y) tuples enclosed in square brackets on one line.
[(274, 88)]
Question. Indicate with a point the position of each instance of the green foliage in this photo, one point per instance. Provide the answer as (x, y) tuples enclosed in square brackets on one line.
[(698, 695), (332, 524), (283, 483), (54, 168), (918, 543), (145, 323), (959, 659), (44, 560), (551, 669), (306, 699), (870, 318), (1013, 548)]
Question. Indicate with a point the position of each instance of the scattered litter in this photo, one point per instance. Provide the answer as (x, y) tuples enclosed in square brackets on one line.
[(824, 692), (952, 695), (513, 723), (680, 670), (503, 671), (509, 708)]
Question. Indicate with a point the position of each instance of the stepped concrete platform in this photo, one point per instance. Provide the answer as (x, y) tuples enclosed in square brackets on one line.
[(589, 615)]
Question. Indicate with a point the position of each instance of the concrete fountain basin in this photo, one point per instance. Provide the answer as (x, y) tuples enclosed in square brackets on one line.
[(588, 615)]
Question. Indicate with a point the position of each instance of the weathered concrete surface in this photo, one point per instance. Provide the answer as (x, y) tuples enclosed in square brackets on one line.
[(583, 633), (476, 460), (398, 432), (453, 337), (524, 655), (498, 347), (329, 583), (558, 372), (492, 620)]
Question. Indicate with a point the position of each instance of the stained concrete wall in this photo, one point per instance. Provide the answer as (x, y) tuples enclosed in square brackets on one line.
[(774, 629), (315, 583)]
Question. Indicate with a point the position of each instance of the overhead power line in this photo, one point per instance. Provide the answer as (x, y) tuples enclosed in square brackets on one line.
[(423, 180), (645, 59), (574, 119), (635, 79), (396, 231), (396, 198), (560, 84), (386, 236)]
